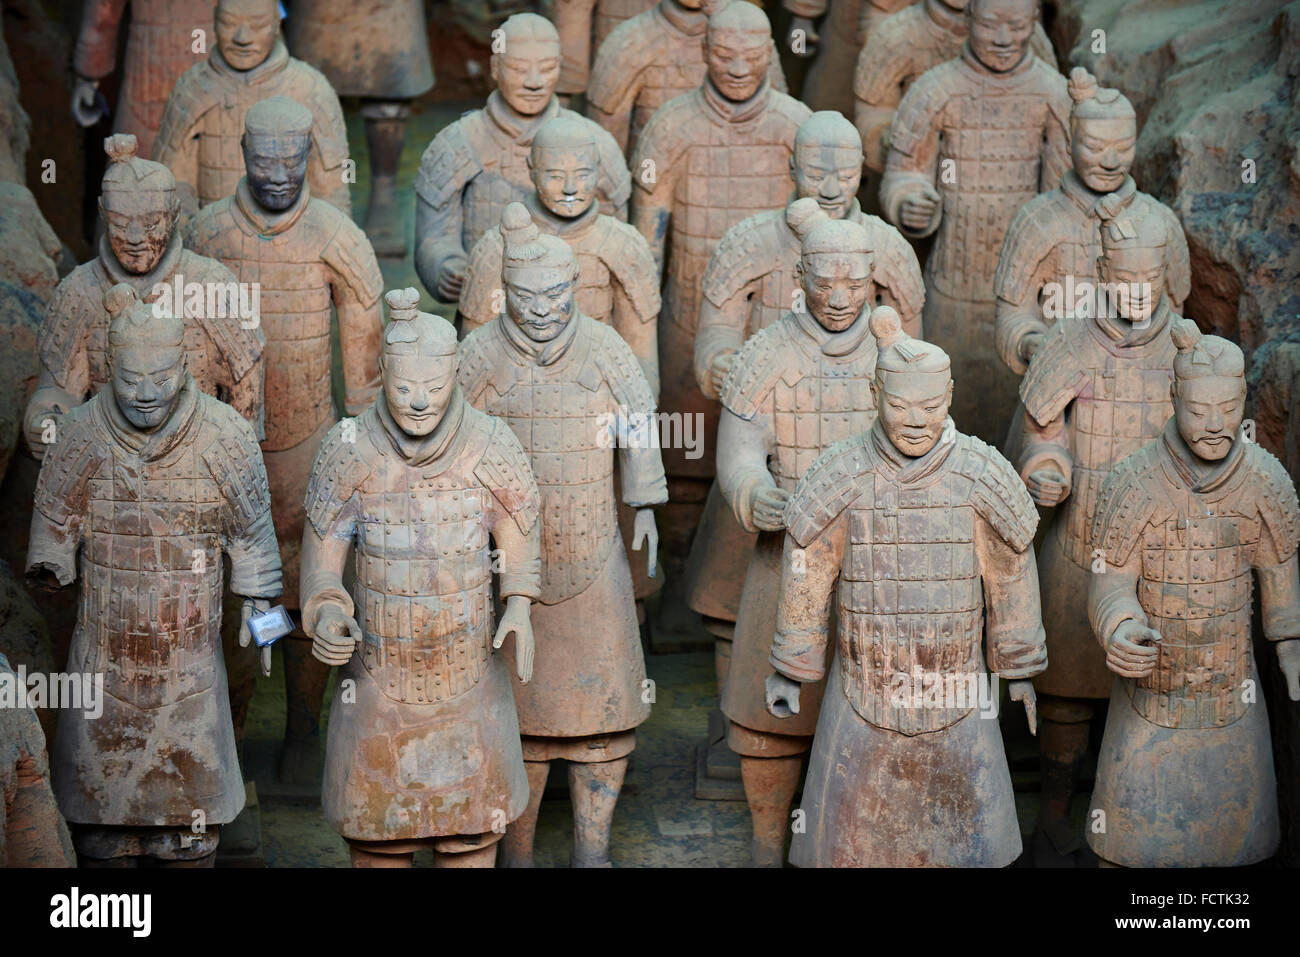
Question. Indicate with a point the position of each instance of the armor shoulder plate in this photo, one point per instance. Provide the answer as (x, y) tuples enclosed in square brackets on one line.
[(758, 367), (920, 107), (1177, 257), (234, 459), (1278, 507), (1125, 504), (670, 130), (1054, 84), (341, 466), (448, 163), (997, 492), (68, 464), (505, 472), (831, 484), (191, 98), (240, 348), (1054, 376), (482, 277), (1026, 244), (741, 253), (885, 56), (349, 253), (619, 367), (208, 226), (329, 131), (64, 323), (623, 54), (628, 256), (475, 365), (793, 111), (896, 267)]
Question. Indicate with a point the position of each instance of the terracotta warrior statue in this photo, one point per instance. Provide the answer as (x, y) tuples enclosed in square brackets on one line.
[(150, 487), (479, 164), (141, 247), (377, 50), (572, 391), (655, 56), (797, 387), (160, 45), (752, 281), (617, 278), (306, 256), (1096, 390), (32, 831), (706, 160), (1185, 526), (974, 139), (1056, 236), (423, 747), (204, 117), (929, 533), (898, 50)]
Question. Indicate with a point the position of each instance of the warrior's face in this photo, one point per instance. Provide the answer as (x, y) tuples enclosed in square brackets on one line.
[(139, 226), (1209, 410), (527, 72), (146, 381), (246, 31), (836, 286), (830, 174), (913, 407), (1102, 149), (540, 299), (1000, 31), (565, 180), (737, 60), (1135, 280), (418, 389), (276, 167)]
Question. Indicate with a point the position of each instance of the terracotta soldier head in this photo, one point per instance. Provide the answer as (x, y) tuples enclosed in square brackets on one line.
[(827, 162), (1209, 390), (738, 50), (834, 265), (1000, 31), (540, 276), (912, 388), (1103, 133), (247, 31), (418, 364), (146, 353), (1132, 263), (564, 164), (276, 145), (527, 70), (138, 205)]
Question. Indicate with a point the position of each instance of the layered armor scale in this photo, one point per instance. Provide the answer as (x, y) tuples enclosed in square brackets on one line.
[(1194, 545), (911, 596)]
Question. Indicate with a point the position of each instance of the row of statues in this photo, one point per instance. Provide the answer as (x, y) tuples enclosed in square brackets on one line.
[(694, 249)]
